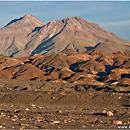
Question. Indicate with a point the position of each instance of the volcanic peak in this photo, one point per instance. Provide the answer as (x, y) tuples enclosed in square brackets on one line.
[(28, 15), (29, 36), (27, 19)]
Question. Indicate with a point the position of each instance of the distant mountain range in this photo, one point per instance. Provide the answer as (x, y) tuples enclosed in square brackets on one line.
[(28, 36)]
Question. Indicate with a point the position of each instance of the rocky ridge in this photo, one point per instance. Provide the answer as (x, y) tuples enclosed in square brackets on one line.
[(92, 67)]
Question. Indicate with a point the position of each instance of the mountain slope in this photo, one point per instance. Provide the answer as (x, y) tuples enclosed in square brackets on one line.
[(29, 36), (16, 34), (75, 33), (107, 47)]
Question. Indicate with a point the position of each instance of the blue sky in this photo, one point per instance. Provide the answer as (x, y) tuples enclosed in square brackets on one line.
[(112, 16)]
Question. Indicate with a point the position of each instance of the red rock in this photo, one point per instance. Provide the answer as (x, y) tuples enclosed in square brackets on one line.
[(109, 113), (117, 122), (49, 93), (62, 93)]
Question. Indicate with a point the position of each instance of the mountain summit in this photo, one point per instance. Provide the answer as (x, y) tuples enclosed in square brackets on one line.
[(26, 20), (29, 36)]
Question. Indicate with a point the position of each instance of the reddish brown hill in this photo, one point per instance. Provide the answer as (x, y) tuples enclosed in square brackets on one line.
[(93, 67)]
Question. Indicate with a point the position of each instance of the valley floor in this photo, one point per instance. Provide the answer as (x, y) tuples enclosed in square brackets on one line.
[(51, 105)]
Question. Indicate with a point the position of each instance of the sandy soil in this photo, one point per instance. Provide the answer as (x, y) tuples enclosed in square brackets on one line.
[(51, 105)]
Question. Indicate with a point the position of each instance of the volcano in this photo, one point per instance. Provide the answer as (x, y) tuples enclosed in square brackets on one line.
[(29, 36), (16, 35)]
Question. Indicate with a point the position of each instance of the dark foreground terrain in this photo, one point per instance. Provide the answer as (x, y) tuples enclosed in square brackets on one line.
[(55, 105)]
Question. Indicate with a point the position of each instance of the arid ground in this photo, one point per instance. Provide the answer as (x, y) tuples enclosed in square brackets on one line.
[(54, 105), (66, 74)]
